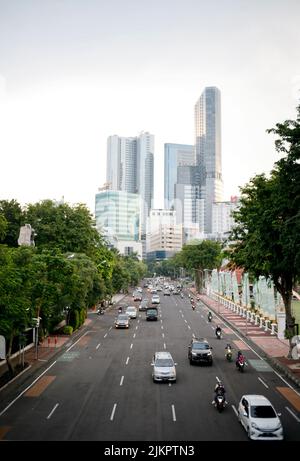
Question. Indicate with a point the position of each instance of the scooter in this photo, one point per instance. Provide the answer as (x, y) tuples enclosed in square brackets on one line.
[(220, 402), (240, 364), (228, 354)]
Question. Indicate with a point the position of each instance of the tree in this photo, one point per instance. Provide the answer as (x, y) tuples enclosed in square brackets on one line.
[(14, 216), (266, 238), (3, 227), (71, 229), (197, 256)]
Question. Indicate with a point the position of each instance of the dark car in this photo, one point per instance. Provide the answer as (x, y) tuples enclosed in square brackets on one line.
[(151, 313), (200, 351)]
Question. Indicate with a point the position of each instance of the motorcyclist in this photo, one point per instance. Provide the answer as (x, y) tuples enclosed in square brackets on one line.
[(219, 390), (228, 350), (218, 330), (240, 358), (120, 310), (209, 316)]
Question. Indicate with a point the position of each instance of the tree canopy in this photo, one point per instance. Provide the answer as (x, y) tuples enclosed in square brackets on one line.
[(266, 238)]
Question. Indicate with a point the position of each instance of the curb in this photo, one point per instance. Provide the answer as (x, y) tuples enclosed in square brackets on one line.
[(276, 364)]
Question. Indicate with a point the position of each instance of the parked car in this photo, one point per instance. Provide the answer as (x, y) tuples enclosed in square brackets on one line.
[(199, 351), (259, 418), (163, 367), (122, 321), (131, 311)]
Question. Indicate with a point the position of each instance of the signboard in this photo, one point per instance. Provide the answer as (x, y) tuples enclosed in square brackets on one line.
[(2, 347)]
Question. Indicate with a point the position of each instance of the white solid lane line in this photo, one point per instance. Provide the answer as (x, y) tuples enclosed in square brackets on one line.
[(173, 413), (293, 414), (52, 411), (25, 390), (127, 360), (263, 382), (113, 412), (121, 382)]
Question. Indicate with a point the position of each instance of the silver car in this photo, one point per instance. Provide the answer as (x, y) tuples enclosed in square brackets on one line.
[(163, 367), (259, 418), (122, 321)]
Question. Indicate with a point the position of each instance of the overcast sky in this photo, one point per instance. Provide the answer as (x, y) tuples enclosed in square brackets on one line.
[(73, 72)]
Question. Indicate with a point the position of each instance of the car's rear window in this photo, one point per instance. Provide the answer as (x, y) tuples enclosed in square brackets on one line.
[(123, 317), (164, 363), (262, 411), (201, 346)]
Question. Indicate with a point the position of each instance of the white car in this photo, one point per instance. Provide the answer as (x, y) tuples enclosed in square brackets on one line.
[(259, 418), (163, 367), (155, 299), (131, 311)]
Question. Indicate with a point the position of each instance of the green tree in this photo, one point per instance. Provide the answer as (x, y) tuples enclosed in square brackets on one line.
[(266, 238), (14, 216), (71, 229), (197, 256), (3, 227)]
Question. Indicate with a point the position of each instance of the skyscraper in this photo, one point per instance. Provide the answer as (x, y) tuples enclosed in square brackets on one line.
[(175, 155), (208, 150), (130, 164)]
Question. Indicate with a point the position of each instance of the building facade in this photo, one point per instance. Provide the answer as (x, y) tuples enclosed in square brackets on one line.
[(163, 233), (175, 155), (223, 221), (118, 218), (208, 150)]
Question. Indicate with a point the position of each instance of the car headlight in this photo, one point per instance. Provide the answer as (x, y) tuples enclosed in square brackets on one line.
[(255, 426), (209, 353), (194, 353)]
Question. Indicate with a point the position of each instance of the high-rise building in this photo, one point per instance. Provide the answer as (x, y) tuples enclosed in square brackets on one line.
[(164, 236), (223, 221), (130, 164), (208, 150), (175, 155), (118, 219)]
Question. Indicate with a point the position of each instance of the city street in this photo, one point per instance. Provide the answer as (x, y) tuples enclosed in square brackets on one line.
[(101, 388)]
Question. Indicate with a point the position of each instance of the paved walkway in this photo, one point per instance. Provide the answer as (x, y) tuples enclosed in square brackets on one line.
[(275, 349)]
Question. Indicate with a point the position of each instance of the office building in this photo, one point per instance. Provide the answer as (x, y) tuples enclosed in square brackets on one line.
[(208, 150), (175, 155)]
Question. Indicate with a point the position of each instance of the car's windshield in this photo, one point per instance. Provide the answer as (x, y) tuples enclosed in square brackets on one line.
[(164, 363), (262, 411), (152, 311), (130, 309), (201, 346)]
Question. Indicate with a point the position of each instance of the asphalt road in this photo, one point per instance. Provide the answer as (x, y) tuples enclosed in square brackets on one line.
[(101, 388)]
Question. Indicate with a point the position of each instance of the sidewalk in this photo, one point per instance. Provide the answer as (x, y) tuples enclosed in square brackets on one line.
[(272, 348)]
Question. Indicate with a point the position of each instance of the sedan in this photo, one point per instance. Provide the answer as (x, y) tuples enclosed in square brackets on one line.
[(131, 311), (259, 418), (155, 299), (122, 321)]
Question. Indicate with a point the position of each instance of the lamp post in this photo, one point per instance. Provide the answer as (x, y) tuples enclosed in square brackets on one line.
[(36, 321)]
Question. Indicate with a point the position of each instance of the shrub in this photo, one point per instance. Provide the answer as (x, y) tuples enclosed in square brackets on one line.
[(67, 330)]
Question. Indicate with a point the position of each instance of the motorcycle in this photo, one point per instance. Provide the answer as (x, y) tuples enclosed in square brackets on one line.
[(218, 334), (181, 295), (120, 310), (240, 364), (209, 317), (228, 354), (220, 402), (193, 307), (100, 311)]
